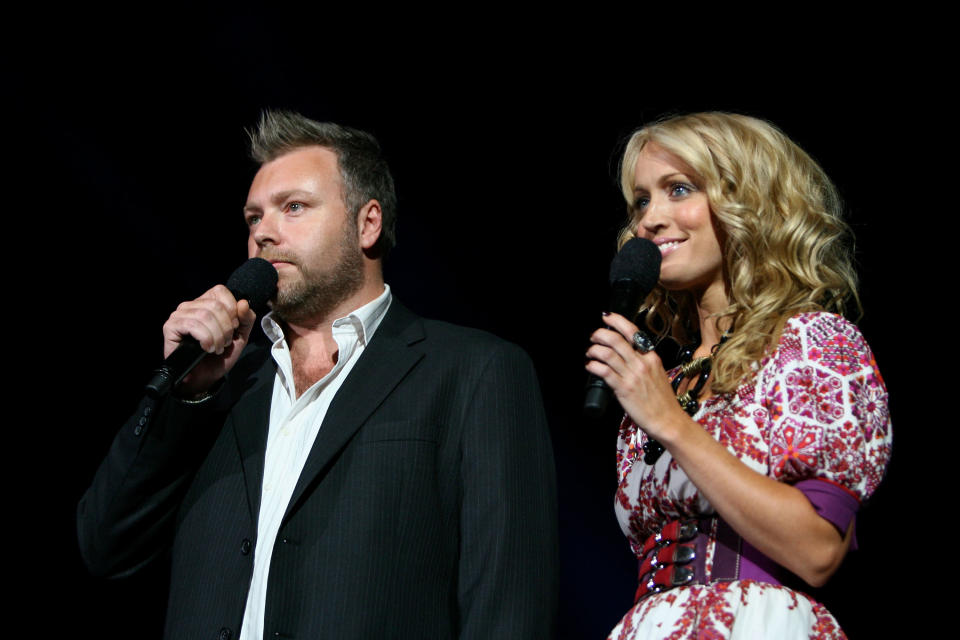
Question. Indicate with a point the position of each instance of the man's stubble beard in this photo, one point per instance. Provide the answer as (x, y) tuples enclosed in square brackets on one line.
[(317, 293)]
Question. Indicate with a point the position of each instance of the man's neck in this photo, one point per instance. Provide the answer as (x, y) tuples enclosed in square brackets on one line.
[(313, 351)]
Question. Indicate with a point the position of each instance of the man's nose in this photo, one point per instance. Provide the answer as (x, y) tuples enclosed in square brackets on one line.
[(265, 231)]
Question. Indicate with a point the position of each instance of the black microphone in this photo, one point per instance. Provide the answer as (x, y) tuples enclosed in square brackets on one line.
[(633, 273), (254, 281)]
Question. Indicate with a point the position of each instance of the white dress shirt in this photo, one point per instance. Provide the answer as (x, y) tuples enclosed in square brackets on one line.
[(294, 424)]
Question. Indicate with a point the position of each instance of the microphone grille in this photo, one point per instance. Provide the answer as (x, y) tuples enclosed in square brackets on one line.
[(256, 281), (637, 260)]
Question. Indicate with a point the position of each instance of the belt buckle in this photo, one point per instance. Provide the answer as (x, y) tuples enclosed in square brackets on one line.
[(688, 530), (669, 571), (681, 576)]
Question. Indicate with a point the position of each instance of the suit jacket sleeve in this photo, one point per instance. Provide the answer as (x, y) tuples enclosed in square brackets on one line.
[(126, 518), (128, 515), (508, 555)]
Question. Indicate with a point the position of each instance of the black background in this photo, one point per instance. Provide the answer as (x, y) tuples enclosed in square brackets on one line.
[(131, 172)]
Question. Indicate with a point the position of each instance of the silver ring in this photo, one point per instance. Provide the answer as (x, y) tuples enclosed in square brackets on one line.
[(642, 342)]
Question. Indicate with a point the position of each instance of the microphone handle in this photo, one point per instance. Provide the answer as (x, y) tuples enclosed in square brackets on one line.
[(596, 398), (625, 297), (177, 365)]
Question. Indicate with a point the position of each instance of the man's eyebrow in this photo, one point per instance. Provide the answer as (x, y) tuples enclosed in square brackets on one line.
[(280, 196), (277, 198)]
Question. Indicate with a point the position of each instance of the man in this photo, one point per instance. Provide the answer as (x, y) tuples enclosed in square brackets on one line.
[(369, 474)]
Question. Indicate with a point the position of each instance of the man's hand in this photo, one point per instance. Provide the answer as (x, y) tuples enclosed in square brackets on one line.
[(222, 327)]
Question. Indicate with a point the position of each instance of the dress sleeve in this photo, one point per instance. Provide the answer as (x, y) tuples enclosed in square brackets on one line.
[(830, 429)]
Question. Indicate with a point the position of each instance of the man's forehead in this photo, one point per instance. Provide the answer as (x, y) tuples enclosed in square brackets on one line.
[(304, 168), (313, 153)]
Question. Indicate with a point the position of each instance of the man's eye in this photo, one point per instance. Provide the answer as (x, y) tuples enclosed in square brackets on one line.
[(252, 220), (295, 207)]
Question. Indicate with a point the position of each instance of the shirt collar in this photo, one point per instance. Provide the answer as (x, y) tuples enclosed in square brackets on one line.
[(365, 319)]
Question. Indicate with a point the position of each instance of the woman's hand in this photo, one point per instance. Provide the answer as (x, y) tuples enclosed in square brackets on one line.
[(637, 379)]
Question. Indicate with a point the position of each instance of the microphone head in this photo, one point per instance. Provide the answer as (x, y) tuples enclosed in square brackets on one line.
[(638, 260), (255, 281)]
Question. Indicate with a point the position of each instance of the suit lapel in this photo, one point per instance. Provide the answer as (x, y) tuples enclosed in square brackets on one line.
[(251, 422), (384, 363)]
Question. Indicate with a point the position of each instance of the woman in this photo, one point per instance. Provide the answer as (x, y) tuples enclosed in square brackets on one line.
[(754, 477)]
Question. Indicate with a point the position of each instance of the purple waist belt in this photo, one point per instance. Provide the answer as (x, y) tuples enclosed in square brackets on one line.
[(677, 554)]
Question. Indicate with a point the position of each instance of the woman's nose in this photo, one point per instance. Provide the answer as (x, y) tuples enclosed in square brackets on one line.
[(653, 218)]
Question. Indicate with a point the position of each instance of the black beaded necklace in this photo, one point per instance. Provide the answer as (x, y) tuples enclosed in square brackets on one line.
[(689, 400)]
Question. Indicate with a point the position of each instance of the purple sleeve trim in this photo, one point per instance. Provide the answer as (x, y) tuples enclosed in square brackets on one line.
[(832, 503)]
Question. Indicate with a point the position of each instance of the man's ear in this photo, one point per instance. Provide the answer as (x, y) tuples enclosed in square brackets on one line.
[(369, 224)]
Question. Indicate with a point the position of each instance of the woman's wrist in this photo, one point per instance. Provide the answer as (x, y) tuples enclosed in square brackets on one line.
[(676, 428)]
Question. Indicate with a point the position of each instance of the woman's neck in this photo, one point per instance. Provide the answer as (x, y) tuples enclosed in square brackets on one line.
[(710, 303)]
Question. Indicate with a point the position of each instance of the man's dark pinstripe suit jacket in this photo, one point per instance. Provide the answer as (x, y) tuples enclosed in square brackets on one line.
[(426, 509)]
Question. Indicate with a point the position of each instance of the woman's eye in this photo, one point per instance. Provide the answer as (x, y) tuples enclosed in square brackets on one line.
[(641, 203), (680, 189)]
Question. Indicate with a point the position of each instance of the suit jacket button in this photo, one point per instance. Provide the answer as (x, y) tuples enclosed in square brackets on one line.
[(245, 546), (225, 634)]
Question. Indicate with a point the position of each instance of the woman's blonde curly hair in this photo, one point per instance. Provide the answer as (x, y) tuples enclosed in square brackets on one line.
[(786, 246)]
